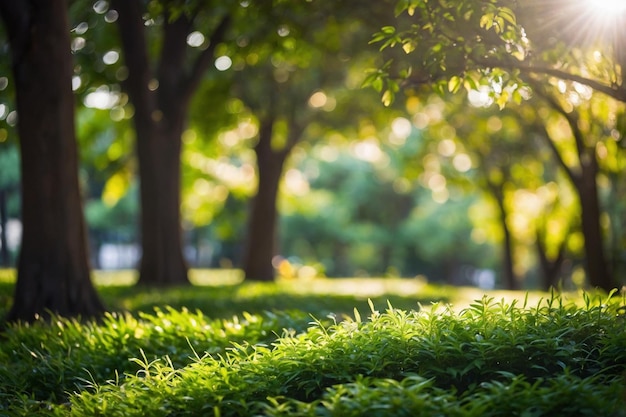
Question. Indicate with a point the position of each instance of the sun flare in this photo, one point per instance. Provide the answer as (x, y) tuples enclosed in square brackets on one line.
[(608, 8), (596, 21)]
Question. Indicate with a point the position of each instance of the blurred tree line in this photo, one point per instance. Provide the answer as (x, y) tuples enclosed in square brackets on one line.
[(239, 134)]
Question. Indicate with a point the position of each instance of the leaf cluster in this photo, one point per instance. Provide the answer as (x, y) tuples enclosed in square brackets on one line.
[(451, 45), (491, 359)]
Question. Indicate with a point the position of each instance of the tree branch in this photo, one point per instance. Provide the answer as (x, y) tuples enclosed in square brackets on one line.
[(131, 28), (573, 176), (204, 60), (571, 118), (616, 92)]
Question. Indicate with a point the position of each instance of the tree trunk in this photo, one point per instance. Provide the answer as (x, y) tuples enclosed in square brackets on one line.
[(510, 280), (161, 97), (162, 261), (261, 245), (585, 183), (550, 268), (598, 271), (53, 271), (158, 120)]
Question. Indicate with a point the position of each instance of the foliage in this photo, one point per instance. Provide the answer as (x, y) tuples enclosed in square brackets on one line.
[(500, 44), (515, 53), (491, 359)]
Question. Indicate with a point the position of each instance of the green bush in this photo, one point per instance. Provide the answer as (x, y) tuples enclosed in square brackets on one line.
[(491, 359), (44, 362)]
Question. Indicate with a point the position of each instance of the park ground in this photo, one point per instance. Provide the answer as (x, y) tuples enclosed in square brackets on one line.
[(319, 347)]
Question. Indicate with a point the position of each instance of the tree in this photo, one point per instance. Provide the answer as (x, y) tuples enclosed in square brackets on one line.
[(584, 179), (514, 51), (53, 271), (302, 56), (160, 90), (481, 152)]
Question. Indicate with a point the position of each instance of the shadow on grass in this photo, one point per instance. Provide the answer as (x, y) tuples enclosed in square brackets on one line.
[(220, 298), (229, 300)]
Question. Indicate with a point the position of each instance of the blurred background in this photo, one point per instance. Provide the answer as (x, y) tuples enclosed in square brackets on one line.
[(446, 187)]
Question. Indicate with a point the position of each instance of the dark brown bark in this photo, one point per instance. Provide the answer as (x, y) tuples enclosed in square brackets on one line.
[(159, 120), (158, 153), (53, 271), (598, 271), (162, 261), (261, 244)]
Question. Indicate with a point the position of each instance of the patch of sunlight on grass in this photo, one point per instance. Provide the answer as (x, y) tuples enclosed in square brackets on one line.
[(215, 277), (458, 298), (7, 275), (202, 277), (118, 277), (462, 297), (356, 287)]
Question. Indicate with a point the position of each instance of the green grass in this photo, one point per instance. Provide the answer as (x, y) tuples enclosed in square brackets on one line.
[(303, 349)]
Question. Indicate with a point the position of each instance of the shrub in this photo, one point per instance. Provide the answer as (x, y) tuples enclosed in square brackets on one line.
[(492, 359)]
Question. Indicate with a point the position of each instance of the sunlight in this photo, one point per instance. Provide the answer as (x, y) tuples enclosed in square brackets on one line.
[(606, 7), (601, 19), (583, 23)]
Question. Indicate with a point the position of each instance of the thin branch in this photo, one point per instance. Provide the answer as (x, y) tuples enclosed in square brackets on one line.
[(573, 176), (616, 92), (571, 118)]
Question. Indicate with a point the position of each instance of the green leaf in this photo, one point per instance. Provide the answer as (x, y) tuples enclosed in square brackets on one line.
[(502, 99), (406, 73), (388, 97), (507, 14), (440, 87), (499, 24), (409, 45), (486, 21), (393, 86), (377, 84), (373, 80), (470, 83), (413, 4), (454, 84), (377, 37), (401, 6), (392, 41)]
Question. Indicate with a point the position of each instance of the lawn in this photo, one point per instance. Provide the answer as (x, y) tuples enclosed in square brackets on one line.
[(375, 347)]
